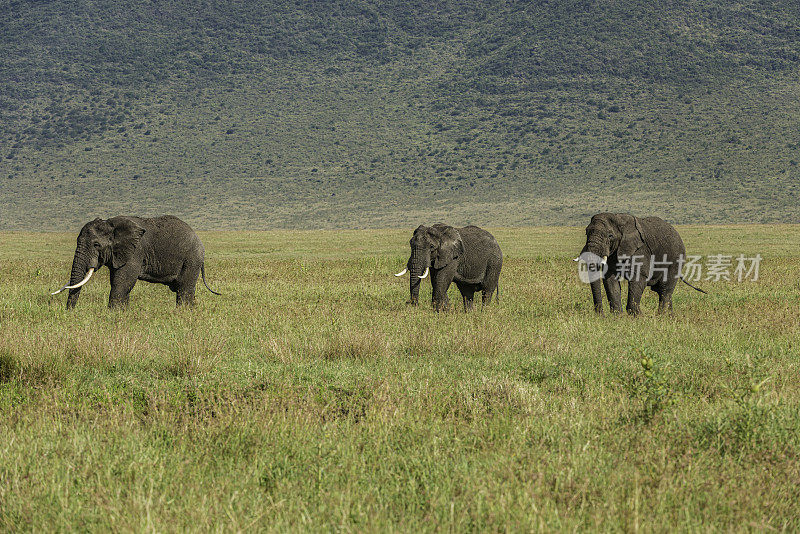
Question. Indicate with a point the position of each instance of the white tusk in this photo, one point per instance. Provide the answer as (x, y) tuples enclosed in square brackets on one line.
[(401, 273), (577, 259), (426, 272), (79, 284), (605, 259), (76, 286)]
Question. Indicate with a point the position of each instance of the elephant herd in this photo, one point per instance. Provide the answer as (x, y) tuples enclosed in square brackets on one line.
[(165, 250)]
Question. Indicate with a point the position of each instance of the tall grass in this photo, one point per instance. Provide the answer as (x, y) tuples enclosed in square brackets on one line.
[(310, 397)]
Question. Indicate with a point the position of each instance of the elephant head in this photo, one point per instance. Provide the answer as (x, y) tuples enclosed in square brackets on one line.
[(101, 242), (610, 234), (432, 247)]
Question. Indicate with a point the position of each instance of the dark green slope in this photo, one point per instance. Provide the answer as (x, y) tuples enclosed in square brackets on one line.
[(357, 114)]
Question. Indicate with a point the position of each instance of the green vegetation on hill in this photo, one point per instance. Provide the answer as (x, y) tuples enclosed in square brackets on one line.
[(364, 113)]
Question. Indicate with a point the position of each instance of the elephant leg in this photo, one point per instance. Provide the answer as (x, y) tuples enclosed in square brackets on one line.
[(441, 282), (665, 291), (486, 296), (635, 290), (468, 296), (442, 304), (491, 280), (184, 286), (614, 293), (184, 296), (665, 302), (122, 282)]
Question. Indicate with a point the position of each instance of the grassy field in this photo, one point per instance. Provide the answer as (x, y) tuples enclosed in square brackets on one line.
[(310, 397)]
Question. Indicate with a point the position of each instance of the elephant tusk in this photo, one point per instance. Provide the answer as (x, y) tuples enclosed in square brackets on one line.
[(425, 273), (577, 259), (79, 284), (605, 259), (401, 273), (76, 286)]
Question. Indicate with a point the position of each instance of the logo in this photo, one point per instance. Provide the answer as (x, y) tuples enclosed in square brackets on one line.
[(591, 267)]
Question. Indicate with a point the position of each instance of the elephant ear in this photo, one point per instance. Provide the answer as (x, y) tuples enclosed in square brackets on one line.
[(450, 246), (127, 234), (632, 235)]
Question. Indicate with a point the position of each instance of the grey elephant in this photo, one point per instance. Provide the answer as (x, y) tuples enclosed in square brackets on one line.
[(163, 250), (468, 256), (646, 251)]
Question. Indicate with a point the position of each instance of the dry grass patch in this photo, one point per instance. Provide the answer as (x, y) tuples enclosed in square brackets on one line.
[(354, 344)]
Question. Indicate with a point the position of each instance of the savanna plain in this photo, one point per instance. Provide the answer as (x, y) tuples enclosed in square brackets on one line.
[(309, 396)]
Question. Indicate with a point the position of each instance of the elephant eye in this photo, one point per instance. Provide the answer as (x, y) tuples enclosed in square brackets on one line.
[(96, 244)]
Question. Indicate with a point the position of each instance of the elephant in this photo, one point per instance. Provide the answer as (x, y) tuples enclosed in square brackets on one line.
[(468, 256), (163, 250), (624, 244)]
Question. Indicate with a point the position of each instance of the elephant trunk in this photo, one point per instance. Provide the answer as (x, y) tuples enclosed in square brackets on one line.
[(597, 295), (420, 260), (80, 266), (596, 245)]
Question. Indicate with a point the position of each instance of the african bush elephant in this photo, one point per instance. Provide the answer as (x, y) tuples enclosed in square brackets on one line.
[(468, 256), (162, 250), (646, 251)]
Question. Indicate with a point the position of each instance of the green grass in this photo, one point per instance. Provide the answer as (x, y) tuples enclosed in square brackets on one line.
[(310, 397)]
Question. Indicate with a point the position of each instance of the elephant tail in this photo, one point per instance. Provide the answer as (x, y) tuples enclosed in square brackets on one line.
[(203, 273), (695, 288)]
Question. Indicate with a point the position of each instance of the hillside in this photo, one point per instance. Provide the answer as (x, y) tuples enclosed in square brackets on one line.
[(306, 114)]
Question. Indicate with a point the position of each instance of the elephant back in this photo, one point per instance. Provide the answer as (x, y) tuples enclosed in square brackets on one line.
[(480, 250)]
